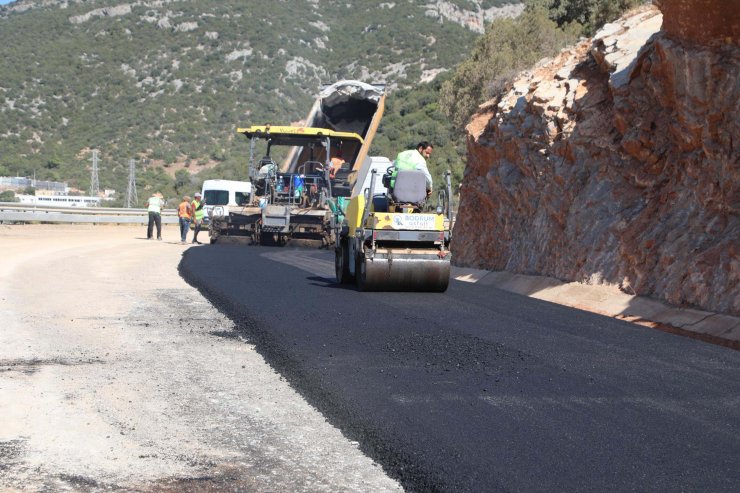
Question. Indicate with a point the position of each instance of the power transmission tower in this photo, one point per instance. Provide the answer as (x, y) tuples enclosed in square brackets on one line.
[(131, 197), (94, 184)]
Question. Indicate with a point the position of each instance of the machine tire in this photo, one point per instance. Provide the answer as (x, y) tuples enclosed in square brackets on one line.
[(360, 273), (256, 235), (266, 239), (341, 264), (272, 239)]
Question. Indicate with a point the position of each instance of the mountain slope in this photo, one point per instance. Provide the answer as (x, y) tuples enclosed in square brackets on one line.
[(169, 81)]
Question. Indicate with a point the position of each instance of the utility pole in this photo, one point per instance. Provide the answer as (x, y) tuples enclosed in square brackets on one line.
[(94, 184), (131, 198)]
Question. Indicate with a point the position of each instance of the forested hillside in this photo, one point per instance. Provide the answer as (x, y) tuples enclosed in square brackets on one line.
[(167, 82)]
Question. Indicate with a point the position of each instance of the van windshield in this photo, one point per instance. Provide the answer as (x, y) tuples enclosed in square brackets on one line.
[(242, 198), (217, 197)]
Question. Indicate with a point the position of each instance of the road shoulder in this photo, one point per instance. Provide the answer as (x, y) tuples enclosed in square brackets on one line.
[(716, 328)]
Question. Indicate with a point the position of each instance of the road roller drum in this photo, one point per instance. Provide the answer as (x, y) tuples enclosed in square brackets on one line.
[(382, 249)]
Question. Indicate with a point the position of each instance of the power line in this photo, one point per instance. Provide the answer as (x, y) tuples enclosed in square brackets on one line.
[(131, 197), (94, 184)]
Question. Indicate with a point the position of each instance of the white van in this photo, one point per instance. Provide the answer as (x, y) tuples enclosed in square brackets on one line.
[(380, 165), (219, 195)]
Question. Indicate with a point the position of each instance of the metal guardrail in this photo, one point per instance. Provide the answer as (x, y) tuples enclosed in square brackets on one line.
[(14, 212)]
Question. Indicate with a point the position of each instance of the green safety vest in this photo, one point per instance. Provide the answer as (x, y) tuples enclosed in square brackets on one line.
[(155, 205), (199, 211), (406, 160)]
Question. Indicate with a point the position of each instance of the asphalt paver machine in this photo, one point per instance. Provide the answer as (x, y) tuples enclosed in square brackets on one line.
[(293, 204)]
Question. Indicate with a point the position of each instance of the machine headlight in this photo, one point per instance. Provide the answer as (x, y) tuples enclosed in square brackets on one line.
[(439, 209)]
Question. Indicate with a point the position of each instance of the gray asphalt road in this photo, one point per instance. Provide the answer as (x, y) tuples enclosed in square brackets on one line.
[(478, 389)]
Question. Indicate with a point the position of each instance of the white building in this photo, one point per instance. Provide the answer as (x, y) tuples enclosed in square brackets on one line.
[(59, 200)]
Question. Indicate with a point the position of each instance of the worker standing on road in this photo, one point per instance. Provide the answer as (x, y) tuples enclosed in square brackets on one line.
[(184, 213), (415, 159), (198, 214), (154, 206)]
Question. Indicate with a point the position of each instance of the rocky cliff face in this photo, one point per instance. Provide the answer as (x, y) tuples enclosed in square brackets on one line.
[(617, 162)]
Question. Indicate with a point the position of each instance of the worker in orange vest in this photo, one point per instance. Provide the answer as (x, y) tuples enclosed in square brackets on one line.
[(185, 213), (336, 164)]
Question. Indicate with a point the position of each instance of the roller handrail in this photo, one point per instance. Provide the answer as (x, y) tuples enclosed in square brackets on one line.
[(368, 198), (448, 189)]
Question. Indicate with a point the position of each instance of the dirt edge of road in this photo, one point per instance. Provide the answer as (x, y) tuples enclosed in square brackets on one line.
[(332, 407), (115, 374)]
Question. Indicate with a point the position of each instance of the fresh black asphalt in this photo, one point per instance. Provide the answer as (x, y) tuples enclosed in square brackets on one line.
[(478, 389)]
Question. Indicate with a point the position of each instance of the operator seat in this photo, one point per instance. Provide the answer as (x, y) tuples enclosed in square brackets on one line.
[(266, 163), (267, 168), (410, 188)]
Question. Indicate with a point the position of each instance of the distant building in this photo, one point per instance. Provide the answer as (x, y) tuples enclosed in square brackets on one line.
[(50, 193), (20, 183), (59, 200)]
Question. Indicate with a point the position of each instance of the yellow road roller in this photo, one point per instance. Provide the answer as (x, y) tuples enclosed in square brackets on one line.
[(387, 241)]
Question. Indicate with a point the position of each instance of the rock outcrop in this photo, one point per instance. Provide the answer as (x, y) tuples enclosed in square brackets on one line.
[(616, 163), (709, 22), (475, 16)]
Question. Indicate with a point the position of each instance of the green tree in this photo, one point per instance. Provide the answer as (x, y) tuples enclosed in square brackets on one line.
[(588, 15), (54, 163), (183, 182), (8, 196), (413, 115), (605, 11), (508, 47)]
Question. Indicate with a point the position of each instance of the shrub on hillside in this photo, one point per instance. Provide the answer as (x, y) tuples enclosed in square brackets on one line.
[(508, 47), (588, 15)]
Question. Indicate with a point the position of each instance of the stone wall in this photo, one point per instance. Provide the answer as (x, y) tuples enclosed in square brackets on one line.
[(615, 163)]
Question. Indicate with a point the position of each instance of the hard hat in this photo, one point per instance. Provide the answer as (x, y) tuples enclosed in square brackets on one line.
[(197, 194)]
